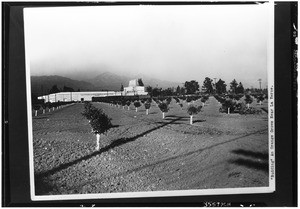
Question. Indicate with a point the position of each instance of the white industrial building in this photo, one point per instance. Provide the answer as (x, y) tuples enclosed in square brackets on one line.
[(131, 90)]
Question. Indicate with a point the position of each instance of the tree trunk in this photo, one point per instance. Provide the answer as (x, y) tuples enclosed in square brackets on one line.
[(44, 111), (147, 111), (98, 142), (259, 102), (35, 114), (248, 105), (136, 109), (49, 109), (191, 119), (123, 107), (53, 109), (128, 107), (228, 110), (203, 104), (163, 115)]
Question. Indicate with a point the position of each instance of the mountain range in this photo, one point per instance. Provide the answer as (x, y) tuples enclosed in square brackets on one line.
[(40, 85)]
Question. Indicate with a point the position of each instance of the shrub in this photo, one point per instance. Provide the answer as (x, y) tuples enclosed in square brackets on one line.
[(260, 98), (90, 112), (100, 122), (147, 105), (193, 110), (137, 104), (164, 107), (248, 99)]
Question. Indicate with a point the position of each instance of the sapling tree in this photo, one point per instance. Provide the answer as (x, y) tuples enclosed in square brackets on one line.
[(229, 105), (44, 108), (36, 108), (147, 106), (248, 100), (193, 110), (100, 123), (164, 108), (123, 102), (90, 112), (260, 98), (128, 103), (137, 104)]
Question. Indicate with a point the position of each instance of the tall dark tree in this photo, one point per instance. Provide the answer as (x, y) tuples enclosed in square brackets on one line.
[(156, 92), (140, 82), (67, 89), (182, 91), (221, 86), (233, 85), (122, 87), (191, 87), (240, 88), (178, 90), (207, 84), (149, 89), (54, 89)]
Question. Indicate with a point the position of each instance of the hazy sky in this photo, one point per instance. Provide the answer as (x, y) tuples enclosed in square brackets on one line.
[(175, 43)]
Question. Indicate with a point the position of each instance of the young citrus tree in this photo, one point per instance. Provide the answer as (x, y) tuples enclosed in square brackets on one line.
[(44, 108), (164, 108), (260, 98), (147, 106), (248, 100), (36, 108), (193, 110), (128, 103), (203, 100), (137, 104), (123, 102), (100, 123), (90, 111)]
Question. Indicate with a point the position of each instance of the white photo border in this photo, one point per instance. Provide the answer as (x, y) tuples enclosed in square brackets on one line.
[(226, 191)]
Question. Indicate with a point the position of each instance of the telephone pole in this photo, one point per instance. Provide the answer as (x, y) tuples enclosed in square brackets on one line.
[(259, 80)]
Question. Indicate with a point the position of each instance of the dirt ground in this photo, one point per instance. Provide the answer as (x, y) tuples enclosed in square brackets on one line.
[(147, 153)]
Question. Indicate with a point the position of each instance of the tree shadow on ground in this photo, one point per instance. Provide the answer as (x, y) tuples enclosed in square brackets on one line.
[(258, 161), (153, 164), (263, 166), (248, 153), (40, 117), (114, 144), (42, 186), (198, 121)]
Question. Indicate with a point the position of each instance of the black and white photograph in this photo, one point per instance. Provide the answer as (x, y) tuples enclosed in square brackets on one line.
[(150, 100)]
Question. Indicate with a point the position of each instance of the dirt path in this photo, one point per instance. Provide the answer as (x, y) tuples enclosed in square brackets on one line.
[(146, 153)]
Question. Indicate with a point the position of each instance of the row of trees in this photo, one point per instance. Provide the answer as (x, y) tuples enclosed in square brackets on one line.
[(208, 87), (48, 106), (231, 104), (55, 89), (163, 104)]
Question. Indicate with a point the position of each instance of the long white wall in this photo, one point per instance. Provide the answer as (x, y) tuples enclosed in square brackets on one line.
[(84, 96)]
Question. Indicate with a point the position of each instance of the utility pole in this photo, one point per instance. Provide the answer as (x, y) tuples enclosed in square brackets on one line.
[(259, 80)]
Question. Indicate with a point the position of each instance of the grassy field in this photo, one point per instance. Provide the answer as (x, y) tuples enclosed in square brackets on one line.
[(147, 153)]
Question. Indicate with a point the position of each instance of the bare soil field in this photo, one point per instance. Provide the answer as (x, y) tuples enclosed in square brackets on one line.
[(147, 153)]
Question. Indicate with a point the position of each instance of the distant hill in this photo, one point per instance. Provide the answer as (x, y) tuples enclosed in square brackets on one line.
[(111, 81), (42, 84)]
